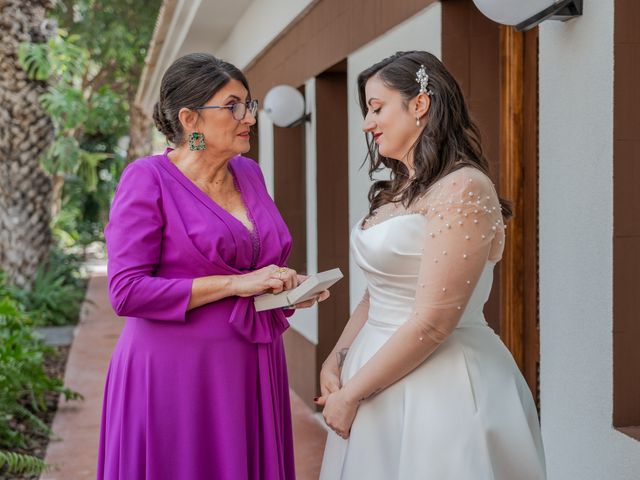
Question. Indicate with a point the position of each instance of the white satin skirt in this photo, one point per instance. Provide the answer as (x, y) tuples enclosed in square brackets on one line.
[(465, 414)]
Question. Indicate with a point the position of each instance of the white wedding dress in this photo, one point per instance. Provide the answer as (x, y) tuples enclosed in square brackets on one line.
[(466, 412)]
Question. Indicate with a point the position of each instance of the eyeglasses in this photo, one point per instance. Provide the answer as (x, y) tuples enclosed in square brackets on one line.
[(238, 110)]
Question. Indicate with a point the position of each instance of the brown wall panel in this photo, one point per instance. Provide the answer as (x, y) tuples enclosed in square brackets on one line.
[(332, 200), (625, 194), (626, 204), (325, 34), (290, 191), (626, 331), (530, 214), (254, 152)]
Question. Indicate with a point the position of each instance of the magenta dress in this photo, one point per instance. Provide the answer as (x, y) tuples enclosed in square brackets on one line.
[(199, 394)]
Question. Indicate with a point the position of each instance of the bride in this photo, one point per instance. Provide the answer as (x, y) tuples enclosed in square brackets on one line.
[(418, 385)]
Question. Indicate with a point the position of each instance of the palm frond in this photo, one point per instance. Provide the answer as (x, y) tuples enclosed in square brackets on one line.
[(17, 463)]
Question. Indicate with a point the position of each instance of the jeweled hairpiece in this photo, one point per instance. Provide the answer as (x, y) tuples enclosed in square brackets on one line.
[(423, 79)]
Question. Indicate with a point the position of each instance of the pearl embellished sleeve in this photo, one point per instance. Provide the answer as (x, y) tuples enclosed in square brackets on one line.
[(463, 230)]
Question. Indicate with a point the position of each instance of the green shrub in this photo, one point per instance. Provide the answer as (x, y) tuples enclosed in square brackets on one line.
[(19, 464), (55, 299), (23, 380), (57, 293)]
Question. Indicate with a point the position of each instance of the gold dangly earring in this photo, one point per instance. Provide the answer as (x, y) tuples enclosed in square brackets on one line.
[(417, 121)]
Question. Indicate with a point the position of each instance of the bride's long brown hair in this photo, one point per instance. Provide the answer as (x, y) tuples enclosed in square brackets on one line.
[(449, 141)]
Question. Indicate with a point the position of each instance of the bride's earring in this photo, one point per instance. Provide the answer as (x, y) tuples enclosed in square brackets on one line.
[(417, 121)]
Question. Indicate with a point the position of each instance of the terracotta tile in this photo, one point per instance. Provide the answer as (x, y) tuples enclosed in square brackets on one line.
[(77, 424), (309, 438)]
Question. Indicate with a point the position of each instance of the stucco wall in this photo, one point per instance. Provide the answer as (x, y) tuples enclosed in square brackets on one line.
[(263, 21), (576, 229)]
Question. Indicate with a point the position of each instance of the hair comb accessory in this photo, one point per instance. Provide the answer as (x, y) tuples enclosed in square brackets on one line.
[(423, 79)]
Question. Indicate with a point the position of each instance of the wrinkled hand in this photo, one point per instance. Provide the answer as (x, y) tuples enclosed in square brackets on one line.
[(312, 301), (272, 279), (339, 412)]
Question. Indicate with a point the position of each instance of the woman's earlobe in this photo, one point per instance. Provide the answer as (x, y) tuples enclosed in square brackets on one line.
[(423, 102)]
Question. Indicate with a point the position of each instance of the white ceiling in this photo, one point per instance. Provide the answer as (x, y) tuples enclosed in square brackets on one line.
[(212, 24)]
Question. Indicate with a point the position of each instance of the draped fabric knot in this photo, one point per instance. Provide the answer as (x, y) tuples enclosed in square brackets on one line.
[(257, 327)]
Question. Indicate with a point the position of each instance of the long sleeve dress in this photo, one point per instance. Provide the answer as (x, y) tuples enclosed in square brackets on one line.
[(199, 394), (444, 398)]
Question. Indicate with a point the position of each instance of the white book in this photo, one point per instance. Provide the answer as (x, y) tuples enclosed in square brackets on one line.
[(311, 287)]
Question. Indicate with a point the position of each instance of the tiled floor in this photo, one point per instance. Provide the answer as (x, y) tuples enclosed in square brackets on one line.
[(309, 437), (76, 426)]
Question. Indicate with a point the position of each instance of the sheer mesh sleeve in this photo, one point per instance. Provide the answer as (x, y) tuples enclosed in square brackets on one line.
[(464, 230)]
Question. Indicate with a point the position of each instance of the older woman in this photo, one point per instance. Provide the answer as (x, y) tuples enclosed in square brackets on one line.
[(197, 385)]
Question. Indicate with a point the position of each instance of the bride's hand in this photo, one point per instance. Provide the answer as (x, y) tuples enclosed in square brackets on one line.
[(339, 412), (312, 301), (329, 378)]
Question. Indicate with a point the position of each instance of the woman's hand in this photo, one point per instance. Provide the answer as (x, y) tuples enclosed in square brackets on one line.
[(272, 279), (339, 412), (329, 378), (321, 297)]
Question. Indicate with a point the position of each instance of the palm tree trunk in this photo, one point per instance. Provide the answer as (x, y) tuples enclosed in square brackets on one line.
[(25, 133), (56, 194), (140, 133)]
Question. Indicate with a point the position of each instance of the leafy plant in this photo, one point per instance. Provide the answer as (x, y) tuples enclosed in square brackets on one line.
[(84, 211), (92, 80), (91, 69), (16, 463), (23, 380), (57, 293), (34, 57), (77, 101)]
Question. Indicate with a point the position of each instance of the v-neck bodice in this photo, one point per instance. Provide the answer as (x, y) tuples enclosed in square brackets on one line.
[(252, 233), (248, 242), (236, 184)]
